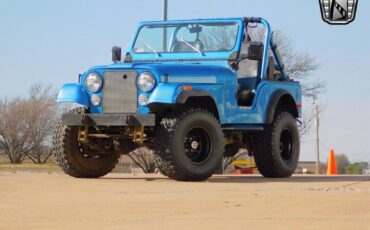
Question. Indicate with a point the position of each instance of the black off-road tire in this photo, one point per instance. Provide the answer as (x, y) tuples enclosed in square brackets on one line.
[(70, 156), (176, 156), (273, 154)]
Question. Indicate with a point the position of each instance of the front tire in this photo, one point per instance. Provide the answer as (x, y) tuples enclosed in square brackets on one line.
[(190, 144), (276, 150), (76, 159)]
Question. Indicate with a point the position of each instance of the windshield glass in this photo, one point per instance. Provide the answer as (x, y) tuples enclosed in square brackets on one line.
[(187, 37)]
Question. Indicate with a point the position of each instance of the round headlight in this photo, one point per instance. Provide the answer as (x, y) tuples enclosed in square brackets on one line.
[(145, 82), (93, 82)]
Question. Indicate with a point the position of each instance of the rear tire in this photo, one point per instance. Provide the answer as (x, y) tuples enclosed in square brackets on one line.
[(276, 150), (190, 144), (75, 159)]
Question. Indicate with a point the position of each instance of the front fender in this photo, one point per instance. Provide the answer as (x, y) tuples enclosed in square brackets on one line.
[(73, 93), (165, 93)]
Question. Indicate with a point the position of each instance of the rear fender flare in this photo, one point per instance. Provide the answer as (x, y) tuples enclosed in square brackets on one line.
[(274, 100)]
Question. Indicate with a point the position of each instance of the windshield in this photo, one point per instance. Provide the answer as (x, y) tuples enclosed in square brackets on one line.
[(186, 37)]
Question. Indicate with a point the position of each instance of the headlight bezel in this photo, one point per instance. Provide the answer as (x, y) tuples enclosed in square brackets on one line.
[(148, 76), (99, 80)]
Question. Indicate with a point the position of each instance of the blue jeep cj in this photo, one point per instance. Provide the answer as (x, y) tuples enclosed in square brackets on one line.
[(192, 90)]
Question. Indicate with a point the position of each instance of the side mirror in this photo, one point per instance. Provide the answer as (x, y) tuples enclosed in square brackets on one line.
[(255, 50), (116, 54)]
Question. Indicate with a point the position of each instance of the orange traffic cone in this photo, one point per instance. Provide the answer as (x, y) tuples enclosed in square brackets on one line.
[(332, 166)]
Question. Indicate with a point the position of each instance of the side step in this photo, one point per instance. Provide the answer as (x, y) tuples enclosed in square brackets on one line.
[(244, 128)]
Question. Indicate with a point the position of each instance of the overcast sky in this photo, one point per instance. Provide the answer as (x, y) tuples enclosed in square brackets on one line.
[(53, 41)]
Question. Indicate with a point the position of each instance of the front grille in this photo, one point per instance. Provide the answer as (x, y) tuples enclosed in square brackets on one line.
[(119, 93)]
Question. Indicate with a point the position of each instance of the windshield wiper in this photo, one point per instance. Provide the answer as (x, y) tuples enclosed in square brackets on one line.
[(149, 47), (188, 44)]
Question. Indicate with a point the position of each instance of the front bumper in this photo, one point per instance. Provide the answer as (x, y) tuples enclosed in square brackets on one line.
[(120, 119)]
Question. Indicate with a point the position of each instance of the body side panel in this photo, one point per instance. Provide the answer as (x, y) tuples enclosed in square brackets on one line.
[(258, 112)]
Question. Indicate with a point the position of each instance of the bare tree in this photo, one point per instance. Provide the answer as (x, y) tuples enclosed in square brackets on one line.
[(26, 125), (218, 37), (308, 119), (15, 133), (306, 122), (299, 66), (144, 158), (42, 118)]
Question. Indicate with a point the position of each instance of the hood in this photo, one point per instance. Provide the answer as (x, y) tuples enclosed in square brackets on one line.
[(175, 72)]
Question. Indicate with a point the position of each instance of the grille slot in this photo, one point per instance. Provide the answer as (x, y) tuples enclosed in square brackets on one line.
[(119, 92)]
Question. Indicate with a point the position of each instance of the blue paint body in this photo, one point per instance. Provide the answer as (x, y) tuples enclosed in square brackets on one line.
[(73, 93), (209, 72)]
